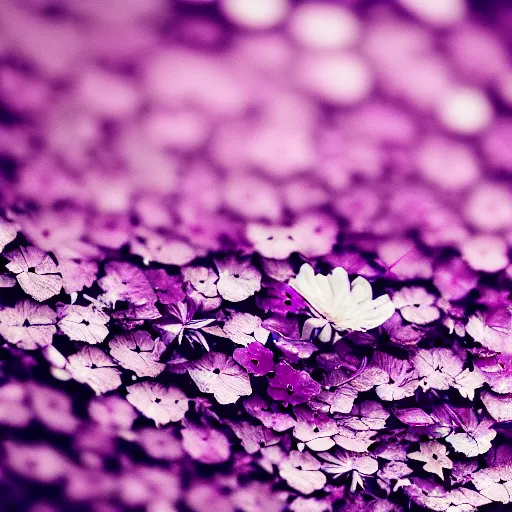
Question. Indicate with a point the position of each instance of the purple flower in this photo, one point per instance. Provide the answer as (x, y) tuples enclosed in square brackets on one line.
[(253, 437), (472, 437), (276, 242), (112, 413), (356, 430), (285, 326), (137, 351), (402, 379), (414, 417), (340, 387), (14, 406), (93, 367), (152, 246), (353, 263), (35, 271), (492, 330), (83, 323), (455, 279), (280, 298), (126, 282), (295, 350), (53, 408), (28, 325), (315, 234), (499, 407), (218, 374), (403, 260), (243, 328), (496, 371), (433, 496), (346, 462), (158, 402), (402, 334), (486, 253), (160, 444), (434, 456), (77, 274), (269, 414), (202, 279), (205, 444), (179, 324), (416, 305), (259, 496), (238, 279), (168, 288), (314, 429), (301, 472), (255, 358), (291, 386), (38, 462)]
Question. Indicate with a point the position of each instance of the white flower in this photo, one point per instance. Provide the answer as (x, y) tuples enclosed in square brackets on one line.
[(346, 306)]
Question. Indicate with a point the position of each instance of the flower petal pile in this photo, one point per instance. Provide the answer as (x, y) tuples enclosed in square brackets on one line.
[(255, 256)]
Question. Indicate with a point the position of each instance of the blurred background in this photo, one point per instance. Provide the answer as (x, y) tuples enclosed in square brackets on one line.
[(192, 117)]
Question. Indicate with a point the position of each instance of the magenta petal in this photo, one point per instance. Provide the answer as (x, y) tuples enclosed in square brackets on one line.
[(255, 358)]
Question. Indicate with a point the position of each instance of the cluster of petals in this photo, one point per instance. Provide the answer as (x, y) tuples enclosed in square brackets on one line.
[(255, 255)]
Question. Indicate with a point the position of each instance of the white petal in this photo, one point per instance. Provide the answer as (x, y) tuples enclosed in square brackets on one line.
[(310, 325), (340, 286), (361, 290), (310, 287)]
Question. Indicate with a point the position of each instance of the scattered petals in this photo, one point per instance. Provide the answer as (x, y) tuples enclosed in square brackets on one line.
[(93, 367), (256, 256), (28, 325), (291, 386), (238, 280), (157, 402), (36, 272), (416, 305), (301, 472), (137, 351), (434, 456), (205, 444), (243, 329), (218, 374), (255, 358), (83, 323)]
